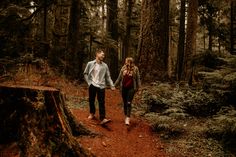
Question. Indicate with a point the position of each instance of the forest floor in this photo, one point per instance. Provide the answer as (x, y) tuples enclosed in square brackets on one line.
[(116, 139)]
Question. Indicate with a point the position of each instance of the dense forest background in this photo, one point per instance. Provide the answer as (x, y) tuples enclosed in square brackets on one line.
[(163, 36), (185, 51)]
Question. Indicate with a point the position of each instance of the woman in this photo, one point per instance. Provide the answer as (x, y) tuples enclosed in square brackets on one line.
[(129, 80)]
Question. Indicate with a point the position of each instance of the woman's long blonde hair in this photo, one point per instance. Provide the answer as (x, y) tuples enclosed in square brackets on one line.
[(129, 66)]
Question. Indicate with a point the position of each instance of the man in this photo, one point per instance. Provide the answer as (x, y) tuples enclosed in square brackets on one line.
[(97, 76)]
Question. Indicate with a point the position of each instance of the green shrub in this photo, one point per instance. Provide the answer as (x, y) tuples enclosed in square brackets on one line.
[(180, 103), (223, 127), (231, 80), (201, 104), (155, 103), (167, 126), (208, 59)]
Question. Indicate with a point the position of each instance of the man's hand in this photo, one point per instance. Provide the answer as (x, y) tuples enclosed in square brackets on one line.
[(113, 88)]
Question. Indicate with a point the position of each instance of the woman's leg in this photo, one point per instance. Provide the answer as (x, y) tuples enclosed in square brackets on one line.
[(130, 96), (124, 97)]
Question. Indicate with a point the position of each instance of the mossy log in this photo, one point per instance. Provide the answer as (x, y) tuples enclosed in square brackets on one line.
[(37, 119)]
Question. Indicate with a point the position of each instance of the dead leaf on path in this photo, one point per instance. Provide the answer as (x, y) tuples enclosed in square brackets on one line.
[(104, 144), (140, 136)]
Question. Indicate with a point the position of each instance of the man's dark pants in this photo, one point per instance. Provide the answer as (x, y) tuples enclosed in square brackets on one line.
[(100, 93)]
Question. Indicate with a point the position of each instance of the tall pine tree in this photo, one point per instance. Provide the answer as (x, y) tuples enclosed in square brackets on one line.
[(152, 53)]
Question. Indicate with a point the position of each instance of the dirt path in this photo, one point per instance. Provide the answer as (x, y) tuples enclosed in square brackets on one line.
[(118, 140)]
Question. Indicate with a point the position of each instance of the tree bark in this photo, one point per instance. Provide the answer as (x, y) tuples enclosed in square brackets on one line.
[(126, 39), (191, 39), (232, 28), (204, 39), (103, 19), (210, 32), (75, 56), (45, 21), (112, 31), (152, 55), (39, 121), (181, 42)]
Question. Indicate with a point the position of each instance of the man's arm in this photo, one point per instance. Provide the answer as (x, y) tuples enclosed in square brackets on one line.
[(86, 72), (118, 79), (108, 78)]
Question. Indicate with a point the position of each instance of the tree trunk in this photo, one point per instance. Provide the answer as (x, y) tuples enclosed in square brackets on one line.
[(112, 30), (45, 21), (103, 20), (181, 43), (126, 39), (219, 46), (91, 45), (204, 39), (210, 32), (37, 119), (191, 39), (45, 44), (75, 56), (232, 27), (152, 55), (57, 56)]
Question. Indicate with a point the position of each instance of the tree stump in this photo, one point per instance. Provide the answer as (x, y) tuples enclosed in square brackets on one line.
[(37, 119)]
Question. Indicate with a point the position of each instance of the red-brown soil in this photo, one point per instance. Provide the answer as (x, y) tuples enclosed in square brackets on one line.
[(116, 139)]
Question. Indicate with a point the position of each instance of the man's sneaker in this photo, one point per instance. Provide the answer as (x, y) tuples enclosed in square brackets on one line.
[(127, 120), (91, 116), (104, 121)]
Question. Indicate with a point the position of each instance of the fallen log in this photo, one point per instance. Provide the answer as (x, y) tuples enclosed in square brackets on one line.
[(37, 119)]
